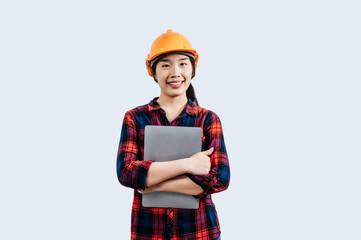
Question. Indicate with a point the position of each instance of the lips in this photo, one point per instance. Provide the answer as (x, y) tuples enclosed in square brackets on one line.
[(176, 84)]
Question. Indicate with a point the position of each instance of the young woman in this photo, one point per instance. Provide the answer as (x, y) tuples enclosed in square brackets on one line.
[(172, 63)]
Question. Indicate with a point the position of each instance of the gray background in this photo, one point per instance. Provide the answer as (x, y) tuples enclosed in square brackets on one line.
[(283, 76)]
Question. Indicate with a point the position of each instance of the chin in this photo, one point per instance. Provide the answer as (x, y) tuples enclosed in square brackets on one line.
[(176, 94)]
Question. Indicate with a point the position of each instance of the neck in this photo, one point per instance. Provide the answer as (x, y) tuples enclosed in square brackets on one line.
[(167, 102)]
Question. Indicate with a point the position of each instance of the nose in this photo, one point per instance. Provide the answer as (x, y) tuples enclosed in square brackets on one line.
[(175, 72)]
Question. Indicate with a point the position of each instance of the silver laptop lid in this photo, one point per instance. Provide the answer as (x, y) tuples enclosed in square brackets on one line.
[(167, 143)]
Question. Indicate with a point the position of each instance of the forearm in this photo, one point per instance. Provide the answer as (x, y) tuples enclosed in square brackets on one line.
[(161, 171), (179, 184)]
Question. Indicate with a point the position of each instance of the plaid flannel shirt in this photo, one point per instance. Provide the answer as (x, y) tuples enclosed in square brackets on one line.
[(132, 169)]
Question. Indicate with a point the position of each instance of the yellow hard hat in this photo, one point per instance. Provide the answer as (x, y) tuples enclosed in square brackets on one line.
[(169, 42)]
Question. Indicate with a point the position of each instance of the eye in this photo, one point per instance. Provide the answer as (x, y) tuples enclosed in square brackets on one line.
[(165, 65), (183, 64)]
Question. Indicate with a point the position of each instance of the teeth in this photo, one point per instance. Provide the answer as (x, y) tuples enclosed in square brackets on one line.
[(175, 83)]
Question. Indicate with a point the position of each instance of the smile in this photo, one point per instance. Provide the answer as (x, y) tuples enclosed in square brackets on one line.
[(176, 84)]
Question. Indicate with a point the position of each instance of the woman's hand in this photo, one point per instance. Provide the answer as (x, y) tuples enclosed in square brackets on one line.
[(148, 190), (200, 163)]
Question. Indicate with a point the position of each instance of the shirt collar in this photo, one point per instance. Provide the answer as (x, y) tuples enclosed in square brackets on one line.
[(190, 109)]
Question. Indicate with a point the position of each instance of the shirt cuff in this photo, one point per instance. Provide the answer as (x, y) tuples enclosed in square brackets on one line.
[(143, 172)]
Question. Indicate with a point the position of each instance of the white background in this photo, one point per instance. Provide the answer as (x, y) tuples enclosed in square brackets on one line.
[(283, 76)]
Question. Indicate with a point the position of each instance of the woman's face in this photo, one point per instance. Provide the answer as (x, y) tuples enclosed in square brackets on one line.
[(174, 73)]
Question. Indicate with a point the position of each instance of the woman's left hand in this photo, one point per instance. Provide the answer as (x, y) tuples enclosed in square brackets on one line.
[(147, 190)]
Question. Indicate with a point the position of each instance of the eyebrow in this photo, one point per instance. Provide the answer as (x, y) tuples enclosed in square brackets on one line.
[(167, 60)]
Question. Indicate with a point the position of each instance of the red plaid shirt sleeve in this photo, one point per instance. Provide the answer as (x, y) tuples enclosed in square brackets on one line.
[(218, 178), (131, 171)]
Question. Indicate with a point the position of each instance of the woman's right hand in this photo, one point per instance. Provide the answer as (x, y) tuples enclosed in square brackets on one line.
[(200, 163)]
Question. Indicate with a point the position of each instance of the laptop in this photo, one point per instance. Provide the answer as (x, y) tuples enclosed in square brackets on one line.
[(166, 143)]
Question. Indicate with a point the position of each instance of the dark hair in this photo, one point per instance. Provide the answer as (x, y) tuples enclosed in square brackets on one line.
[(190, 91)]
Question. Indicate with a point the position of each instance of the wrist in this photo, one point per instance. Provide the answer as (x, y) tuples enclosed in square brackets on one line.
[(185, 165)]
